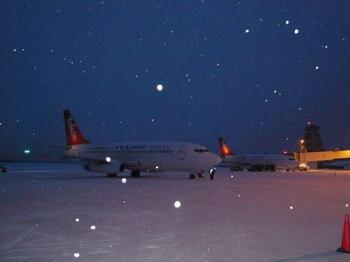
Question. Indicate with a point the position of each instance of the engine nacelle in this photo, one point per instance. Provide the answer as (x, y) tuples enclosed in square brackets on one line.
[(103, 167)]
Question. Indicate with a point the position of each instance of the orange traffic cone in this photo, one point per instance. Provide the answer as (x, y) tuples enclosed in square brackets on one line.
[(345, 242)]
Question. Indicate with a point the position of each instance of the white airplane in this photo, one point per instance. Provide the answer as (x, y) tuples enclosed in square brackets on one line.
[(113, 158), (256, 162)]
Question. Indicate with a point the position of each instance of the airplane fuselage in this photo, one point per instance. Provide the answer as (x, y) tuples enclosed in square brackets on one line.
[(272, 161), (145, 156)]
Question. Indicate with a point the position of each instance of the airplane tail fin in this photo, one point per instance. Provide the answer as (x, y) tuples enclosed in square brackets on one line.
[(73, 134), (225, 149)]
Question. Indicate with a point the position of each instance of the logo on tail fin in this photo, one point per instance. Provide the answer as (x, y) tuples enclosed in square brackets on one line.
[(225, 149), (73, 134)]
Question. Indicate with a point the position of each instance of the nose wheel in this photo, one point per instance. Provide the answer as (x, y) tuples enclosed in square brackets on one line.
[(135, 173)]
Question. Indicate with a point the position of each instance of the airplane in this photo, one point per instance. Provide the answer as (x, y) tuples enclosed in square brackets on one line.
[(114, 158), (256, 162)]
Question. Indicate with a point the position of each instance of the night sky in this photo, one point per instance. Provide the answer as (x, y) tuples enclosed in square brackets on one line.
[(253, 71)]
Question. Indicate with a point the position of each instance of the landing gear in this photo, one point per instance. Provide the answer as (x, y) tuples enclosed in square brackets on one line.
[(135, 173), (112, 175)]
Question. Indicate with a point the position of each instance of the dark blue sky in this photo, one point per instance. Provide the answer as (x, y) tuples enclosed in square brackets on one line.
[(232, 68)]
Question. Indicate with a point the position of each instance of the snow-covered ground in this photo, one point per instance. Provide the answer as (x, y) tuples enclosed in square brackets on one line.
[(59, 212)]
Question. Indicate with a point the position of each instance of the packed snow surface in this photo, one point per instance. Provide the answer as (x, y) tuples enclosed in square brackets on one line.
[(240, 216)]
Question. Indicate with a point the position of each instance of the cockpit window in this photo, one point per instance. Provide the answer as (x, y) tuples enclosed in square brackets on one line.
[(201, 150)]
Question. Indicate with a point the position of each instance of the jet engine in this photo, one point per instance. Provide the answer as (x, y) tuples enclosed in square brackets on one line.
[(103, 167)]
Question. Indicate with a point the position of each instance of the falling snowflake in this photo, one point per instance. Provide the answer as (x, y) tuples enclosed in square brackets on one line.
[(93, 227), (177, 204)]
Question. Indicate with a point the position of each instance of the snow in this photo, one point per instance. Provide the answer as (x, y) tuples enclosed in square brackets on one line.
[(243, 219), (160, 87), (177, 204)]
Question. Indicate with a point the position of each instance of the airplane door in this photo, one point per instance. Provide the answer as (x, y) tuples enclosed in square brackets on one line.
[(181, 155)]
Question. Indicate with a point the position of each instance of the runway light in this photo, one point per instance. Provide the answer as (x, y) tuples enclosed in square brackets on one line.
[(157, 167), (124, 202), (231, 176), (93, 227), (291, 207), (347, 205), (160, 87), (77, 220), (177, 204), (76, 255), (108, 159), (124, 180), (27, 151)]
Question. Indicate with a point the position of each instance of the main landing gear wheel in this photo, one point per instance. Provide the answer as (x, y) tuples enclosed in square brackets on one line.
[(135, 173), (112, 175)]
